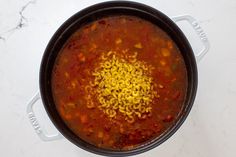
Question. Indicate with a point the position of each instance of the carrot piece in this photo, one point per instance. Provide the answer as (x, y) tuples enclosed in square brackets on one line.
[(100, 134), (118, 41), (71, 105), (138, 46), (169, 45), (81, 57), (122, 130), (163, 62), (68, 116), (84, 119), (165, 52), (168, 118), (94, 26), (176, 95)]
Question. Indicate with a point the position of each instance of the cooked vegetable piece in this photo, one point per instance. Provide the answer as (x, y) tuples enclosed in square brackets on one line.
[(138, 46)]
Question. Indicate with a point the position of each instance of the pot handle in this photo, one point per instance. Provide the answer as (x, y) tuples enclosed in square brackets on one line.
[(34, 122), (198, 29)]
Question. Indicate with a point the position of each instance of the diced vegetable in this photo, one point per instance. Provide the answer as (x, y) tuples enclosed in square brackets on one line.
[(81, 57), (163, 62), (66, 74), (71, 104), (118, 41), (100, 134), (170, 44), (160, 86), (68, 116), (165, 52), (93, 27), (138, 46), (168, 118), (176, 95), (84, 118)]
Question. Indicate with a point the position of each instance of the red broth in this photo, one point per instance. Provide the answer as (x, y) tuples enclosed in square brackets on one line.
[(119, 82)]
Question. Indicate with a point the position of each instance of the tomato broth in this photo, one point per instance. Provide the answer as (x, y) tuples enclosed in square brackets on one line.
[(119, 82)]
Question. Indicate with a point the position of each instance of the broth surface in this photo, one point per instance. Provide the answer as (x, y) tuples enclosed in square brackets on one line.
[(119, 82)]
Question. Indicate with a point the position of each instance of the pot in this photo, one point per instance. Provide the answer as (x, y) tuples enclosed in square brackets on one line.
[(88, 15)]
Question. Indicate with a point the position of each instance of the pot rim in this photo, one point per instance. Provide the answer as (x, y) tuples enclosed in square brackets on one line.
[(52, 50)]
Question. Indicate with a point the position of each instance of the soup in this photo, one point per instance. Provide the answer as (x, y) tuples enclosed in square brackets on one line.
[(119, 82)]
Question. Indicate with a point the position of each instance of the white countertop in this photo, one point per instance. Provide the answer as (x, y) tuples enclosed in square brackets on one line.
[(25, 29)]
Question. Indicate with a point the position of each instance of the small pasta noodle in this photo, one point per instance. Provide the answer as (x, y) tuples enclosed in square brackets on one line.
[(123, 85)]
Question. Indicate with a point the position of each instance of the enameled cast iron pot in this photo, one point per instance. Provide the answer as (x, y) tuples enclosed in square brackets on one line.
[(88, 15)]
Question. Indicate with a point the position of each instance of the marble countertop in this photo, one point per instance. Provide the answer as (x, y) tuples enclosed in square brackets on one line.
[(26, 26)]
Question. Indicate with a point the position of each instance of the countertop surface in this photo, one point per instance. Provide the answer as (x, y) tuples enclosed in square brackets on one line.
[(27, 26)]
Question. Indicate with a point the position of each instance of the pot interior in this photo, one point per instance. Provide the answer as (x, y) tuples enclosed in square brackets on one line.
[(102, 10)]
